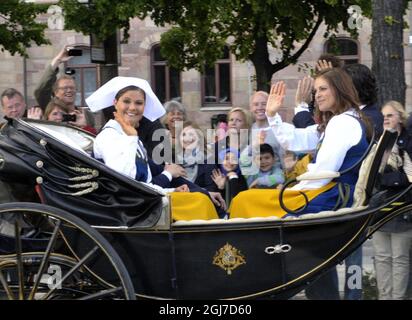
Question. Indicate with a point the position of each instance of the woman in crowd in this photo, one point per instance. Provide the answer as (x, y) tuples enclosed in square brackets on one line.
[(393, 240), (239, 121), (55, 110), (193, 156), (175, 116)]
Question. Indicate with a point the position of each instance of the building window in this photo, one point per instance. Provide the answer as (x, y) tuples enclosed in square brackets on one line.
[(165, 79), (344, 48), (216, 82), (85, 74)]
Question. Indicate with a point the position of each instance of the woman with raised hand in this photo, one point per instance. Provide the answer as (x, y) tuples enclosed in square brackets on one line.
[(340, 140), (119, 146)]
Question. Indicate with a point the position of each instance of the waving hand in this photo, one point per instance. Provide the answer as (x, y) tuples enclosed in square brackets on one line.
[(276, 97)]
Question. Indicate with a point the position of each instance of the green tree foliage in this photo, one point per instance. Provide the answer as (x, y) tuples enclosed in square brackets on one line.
[(201, 28), (101, 17), (18, 26)]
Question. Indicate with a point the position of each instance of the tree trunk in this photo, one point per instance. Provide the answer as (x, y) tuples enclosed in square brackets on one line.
[(110, 69), (264, 67), (262, 64), (388, 62)]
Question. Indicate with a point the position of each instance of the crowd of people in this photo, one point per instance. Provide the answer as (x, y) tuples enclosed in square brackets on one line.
[(242, 166)]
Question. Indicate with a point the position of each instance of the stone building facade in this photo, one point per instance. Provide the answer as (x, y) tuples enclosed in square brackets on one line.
[(137, 59)]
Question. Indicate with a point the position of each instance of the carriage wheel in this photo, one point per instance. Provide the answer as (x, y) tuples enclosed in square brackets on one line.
[(47, 253)]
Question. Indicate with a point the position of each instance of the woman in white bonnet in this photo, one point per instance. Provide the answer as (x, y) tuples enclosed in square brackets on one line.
[(118, 144)]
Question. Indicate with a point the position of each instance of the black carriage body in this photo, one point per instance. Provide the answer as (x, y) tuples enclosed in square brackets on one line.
[(252, 258), (274, 259)]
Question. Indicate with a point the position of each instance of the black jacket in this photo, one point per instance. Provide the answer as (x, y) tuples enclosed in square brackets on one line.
[(376, 118), (392, 178), (147, 130)]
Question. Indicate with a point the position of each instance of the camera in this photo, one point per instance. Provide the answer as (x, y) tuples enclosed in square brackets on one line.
[(69, 71), (74, 52), (69, 118)]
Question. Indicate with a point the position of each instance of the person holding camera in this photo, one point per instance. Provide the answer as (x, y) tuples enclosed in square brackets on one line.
[(57, 111), (63, 88), (393, 240)]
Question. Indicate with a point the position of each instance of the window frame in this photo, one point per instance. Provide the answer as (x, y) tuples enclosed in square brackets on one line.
[(153, 64), (81, 68), (218, 62), (345, 57)]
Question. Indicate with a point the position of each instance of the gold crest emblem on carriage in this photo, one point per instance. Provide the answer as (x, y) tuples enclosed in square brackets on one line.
[(228, 258)]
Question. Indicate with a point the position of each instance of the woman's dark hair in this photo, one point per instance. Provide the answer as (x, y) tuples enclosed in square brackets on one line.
[(345, 94), (108, 112), (342, 86), (364, 81), (129, 88)]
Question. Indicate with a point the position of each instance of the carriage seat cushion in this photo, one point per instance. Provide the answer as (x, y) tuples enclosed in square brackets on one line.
[(192, 205)]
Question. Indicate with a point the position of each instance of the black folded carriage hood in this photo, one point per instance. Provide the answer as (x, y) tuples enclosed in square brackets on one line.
[(73, 181)]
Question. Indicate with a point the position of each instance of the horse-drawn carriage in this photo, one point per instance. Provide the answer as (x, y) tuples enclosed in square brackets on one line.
[(71, 228)]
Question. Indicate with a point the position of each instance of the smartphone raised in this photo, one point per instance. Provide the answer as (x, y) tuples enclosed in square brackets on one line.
[(74, 52)]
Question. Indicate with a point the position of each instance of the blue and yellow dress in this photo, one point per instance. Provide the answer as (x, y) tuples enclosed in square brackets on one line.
[(342, 154)]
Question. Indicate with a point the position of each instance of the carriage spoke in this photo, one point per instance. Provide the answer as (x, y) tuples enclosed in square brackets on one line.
[(72, 270), (45, 259), (6, 286), (20, 270), (101, 294)]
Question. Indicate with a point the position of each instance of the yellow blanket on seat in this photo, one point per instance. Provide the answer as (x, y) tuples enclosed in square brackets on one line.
[(192, 206), (265, 202)]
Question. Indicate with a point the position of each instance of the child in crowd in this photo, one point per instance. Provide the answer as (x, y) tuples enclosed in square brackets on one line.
[(228, 177), (293, 166), (270, 173)]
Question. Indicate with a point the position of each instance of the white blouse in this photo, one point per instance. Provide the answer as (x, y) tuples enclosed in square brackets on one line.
[(118, 151), (342, 133)]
